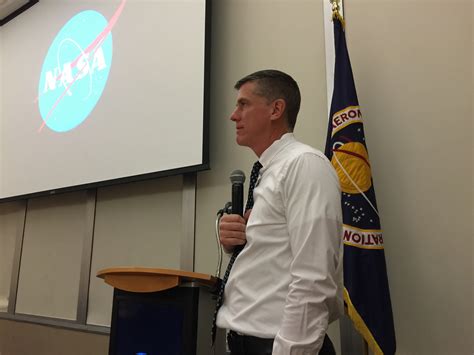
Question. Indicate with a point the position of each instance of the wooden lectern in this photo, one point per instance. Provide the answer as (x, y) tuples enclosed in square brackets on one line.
[(161, 312)]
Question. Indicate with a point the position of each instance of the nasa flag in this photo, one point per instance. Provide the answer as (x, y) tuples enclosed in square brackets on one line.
[(366, 290)]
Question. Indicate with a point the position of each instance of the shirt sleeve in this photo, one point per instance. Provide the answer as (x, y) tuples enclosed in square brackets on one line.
[(311, 194)]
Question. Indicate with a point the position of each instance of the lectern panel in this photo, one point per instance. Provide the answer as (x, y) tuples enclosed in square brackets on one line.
[(156, 323)]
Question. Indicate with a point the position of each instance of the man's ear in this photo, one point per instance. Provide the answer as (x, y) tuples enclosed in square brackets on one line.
[(279, 106)]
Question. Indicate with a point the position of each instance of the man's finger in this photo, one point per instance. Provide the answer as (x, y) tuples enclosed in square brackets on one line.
[(232, 226), (232, 218)]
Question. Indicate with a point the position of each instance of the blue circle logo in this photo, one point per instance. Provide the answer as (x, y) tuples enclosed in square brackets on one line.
[(75, 71)]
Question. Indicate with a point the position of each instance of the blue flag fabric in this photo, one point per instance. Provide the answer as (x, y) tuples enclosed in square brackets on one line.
[(366, 290)]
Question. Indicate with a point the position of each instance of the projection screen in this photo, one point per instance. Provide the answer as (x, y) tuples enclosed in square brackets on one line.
[(102, 91)]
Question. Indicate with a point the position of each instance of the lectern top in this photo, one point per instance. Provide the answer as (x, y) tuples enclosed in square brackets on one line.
[(141, 279)]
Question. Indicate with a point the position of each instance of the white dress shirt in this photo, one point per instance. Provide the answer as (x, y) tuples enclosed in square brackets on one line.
[(287, 281)]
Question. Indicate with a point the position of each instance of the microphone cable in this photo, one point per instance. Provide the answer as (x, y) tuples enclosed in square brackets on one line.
[(227, 209)]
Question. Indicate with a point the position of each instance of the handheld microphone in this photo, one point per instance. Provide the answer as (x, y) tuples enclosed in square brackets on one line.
[(237, 177)]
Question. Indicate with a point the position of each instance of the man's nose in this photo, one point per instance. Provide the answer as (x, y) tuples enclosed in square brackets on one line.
[(234, 116)]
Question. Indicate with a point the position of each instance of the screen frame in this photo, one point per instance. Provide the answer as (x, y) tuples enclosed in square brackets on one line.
[(18, 11), (192, 169)]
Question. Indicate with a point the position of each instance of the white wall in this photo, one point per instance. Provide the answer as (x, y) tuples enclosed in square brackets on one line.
[(11, 214), (412, 64), (51, 257), (1, 96), (136, 225)]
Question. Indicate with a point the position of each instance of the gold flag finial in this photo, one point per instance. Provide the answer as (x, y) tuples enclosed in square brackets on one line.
[(336, 11)]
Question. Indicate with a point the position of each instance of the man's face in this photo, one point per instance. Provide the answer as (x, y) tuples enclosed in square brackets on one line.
[(252, 117)]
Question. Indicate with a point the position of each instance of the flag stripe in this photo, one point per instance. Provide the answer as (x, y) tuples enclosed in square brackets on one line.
[(360, 324), (355, 245), (363, 230)]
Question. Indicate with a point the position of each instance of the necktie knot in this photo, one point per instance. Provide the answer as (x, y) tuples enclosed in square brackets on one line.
[(256, 168)]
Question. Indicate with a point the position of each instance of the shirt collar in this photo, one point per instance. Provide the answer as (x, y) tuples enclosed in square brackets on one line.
[(268, 155)]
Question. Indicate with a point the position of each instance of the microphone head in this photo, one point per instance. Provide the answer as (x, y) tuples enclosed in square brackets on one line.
[(237, 177)]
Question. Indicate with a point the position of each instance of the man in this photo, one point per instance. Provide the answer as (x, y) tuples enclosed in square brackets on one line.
[(285, 285)]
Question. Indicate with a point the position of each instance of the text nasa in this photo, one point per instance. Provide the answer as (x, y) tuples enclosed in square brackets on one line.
[(84, 68)]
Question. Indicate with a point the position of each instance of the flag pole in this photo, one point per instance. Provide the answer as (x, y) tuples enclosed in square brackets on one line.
[(352, 342)]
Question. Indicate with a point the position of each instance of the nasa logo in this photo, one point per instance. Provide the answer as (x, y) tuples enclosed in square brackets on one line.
[(75, 71)]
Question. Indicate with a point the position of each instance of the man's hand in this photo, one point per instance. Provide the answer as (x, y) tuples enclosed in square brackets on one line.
[(232, 230)]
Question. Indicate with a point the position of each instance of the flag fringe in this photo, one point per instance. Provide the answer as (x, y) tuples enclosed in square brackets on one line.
[(360, 325), (337, 15)]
